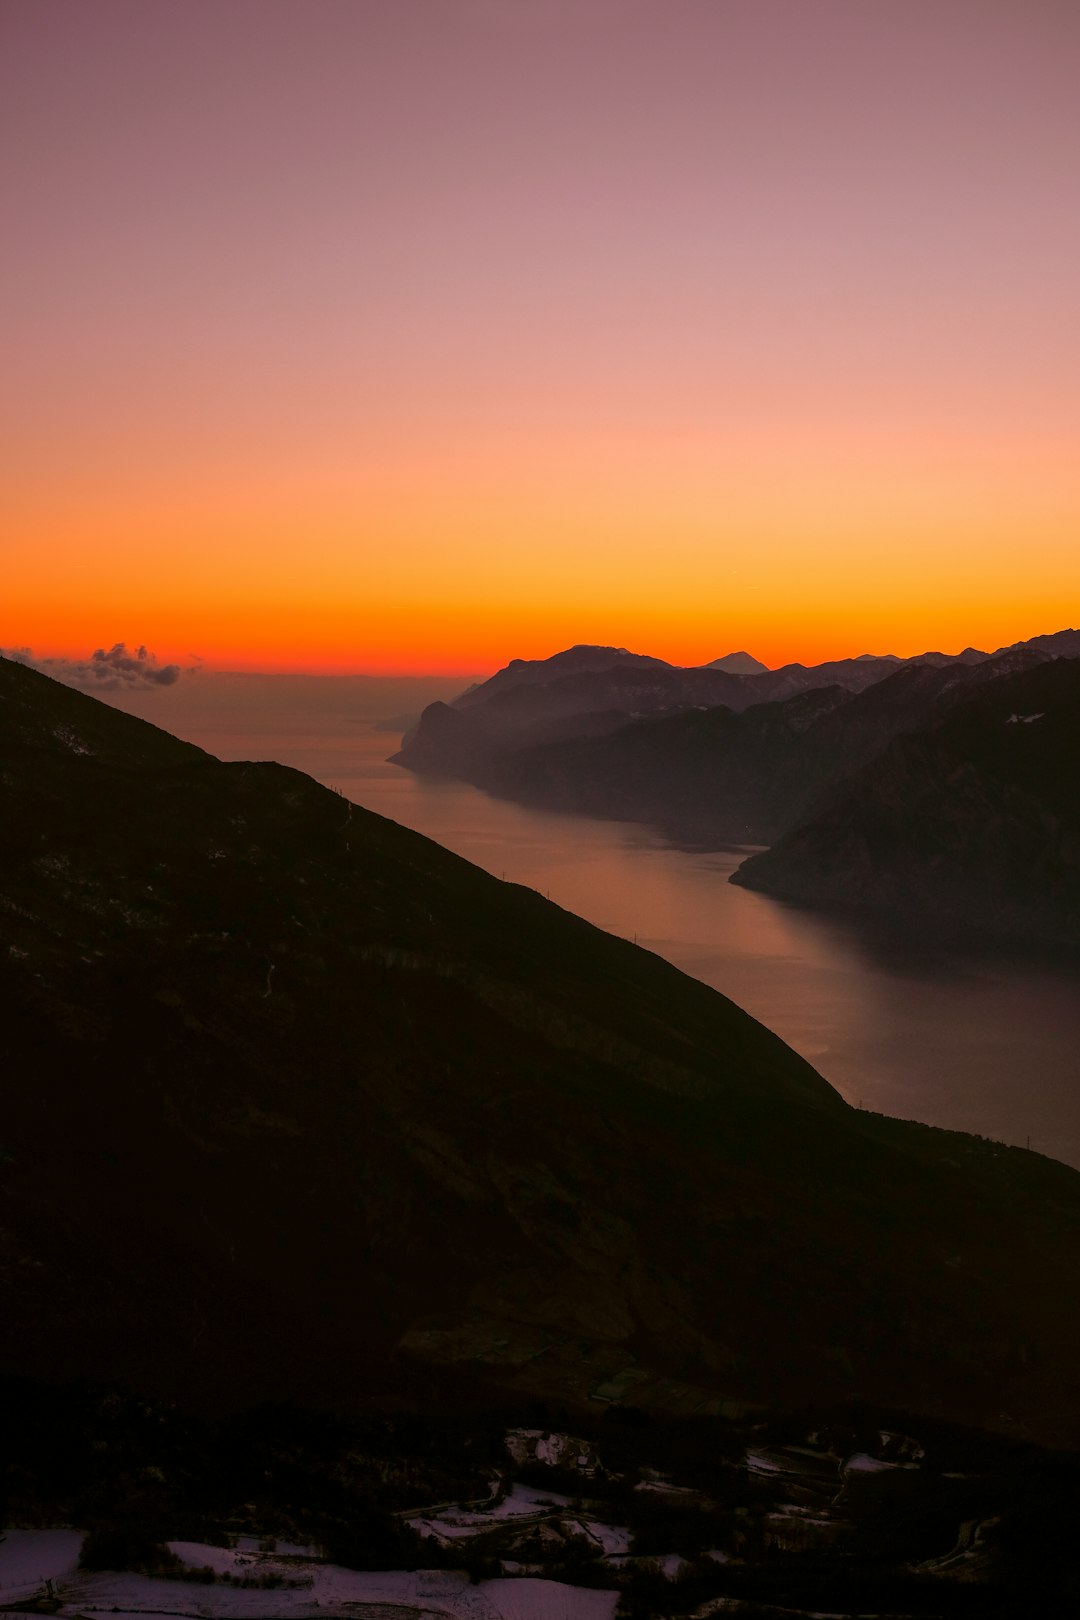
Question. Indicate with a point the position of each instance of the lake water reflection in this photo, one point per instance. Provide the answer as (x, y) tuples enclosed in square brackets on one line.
[(976, 1043)]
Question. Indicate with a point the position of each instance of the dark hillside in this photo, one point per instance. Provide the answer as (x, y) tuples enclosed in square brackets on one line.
[(972, 821), (296, 1103)]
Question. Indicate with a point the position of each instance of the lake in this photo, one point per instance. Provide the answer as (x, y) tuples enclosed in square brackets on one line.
[(982, 1043)]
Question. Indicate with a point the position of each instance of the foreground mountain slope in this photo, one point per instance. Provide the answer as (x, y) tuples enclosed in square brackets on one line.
[(296, 1102), (972, 820)]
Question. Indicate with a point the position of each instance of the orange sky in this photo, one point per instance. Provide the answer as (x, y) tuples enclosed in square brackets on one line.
[(392, 335)]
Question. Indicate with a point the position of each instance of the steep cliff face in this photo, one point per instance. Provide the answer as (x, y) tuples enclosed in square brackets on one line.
[(297, 1103), (974, 820)]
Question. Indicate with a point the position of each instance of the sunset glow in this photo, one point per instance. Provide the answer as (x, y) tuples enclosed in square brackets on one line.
[(419, 336)]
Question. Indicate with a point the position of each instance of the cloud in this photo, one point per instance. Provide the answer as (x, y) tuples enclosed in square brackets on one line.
[(103, 671)]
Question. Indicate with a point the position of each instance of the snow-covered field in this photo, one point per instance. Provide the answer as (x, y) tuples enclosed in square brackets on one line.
[(547, 1600), (30, 1557), (802, 1498)]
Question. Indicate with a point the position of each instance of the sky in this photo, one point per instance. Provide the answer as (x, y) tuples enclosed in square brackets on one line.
[(387, 335)]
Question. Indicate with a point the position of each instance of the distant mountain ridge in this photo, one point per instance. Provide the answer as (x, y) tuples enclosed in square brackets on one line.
[(714, 773), (297, 1104), (717, 757), (546, 700), (561, 697), (973, 817), (607, 732)]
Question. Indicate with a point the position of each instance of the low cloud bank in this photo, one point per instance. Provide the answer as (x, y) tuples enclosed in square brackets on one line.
[(113, 670)]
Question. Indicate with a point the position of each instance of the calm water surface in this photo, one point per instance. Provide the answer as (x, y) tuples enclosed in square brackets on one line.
[(988, 1045)]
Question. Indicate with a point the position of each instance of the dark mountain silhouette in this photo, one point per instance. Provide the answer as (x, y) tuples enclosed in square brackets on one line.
[(714, 775), (579, 660), (854, 674), (704, 775), (1061, 644), (970, 820), (739, 663), (297, 1103), (592, 691), (561, 697)]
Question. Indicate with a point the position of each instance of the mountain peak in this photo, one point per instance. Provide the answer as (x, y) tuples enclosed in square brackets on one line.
[(739, 663)]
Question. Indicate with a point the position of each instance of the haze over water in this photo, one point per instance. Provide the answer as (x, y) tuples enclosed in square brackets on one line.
[(986, 1044)]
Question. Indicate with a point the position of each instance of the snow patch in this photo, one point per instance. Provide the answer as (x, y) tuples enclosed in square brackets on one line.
[(862, 1463), (613, 1538), (333, 1591), (29, 1558), (532, 1599)]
